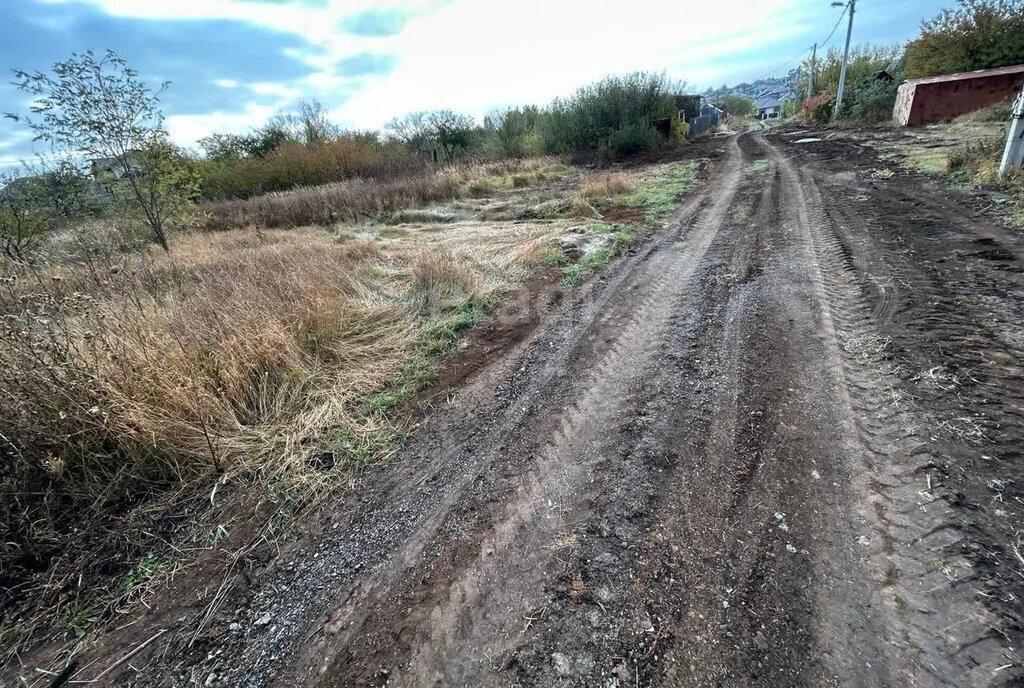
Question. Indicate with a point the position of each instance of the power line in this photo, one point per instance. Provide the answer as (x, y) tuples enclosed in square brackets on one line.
[(838, 22), (803, 52)]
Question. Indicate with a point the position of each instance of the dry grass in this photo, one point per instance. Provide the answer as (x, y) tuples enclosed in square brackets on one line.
[(134, 381), (1000, 112), (139, 379), (608, 186), (357, 199)]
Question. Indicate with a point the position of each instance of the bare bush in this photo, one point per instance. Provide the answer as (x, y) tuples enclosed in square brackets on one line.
[(355, 199)]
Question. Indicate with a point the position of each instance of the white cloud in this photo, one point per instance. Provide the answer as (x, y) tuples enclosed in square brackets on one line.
[(473, 55), (284, 92), (187, 129)]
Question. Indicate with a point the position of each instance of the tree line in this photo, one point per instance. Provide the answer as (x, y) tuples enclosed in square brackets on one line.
[(116, 158)]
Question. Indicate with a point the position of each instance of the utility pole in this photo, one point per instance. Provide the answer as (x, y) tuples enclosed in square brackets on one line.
[(810, 78), (1013, 154), (846, 58)]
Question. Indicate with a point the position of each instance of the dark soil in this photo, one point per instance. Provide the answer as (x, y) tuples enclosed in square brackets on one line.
[(778, 446)]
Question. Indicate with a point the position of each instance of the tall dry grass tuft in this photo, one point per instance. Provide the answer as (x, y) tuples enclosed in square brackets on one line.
[(128, 377), (608, 186), (439, 282)]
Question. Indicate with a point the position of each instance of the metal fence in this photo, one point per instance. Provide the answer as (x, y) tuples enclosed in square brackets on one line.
[(707, 120)]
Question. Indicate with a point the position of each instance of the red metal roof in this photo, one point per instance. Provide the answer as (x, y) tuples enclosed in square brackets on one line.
[(980, 74)]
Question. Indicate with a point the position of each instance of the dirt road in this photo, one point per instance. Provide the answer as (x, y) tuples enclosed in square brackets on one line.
[(779, 446)]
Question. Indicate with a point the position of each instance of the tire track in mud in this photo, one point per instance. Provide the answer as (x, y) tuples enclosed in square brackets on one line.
[(357, 607), (772, 596), (477, 610), (735, 562), (707, 470), (940, 632)]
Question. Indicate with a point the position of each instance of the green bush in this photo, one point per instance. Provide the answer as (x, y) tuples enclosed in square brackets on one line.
[(635, 139), (873, 101), (736, 105), (616, 112), (818, 109)]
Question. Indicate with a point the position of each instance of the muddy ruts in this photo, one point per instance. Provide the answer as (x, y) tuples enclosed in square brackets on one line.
[(726, 463), (937, 386)]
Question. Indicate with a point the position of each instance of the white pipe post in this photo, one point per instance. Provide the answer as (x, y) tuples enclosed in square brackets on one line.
[(1013, 154), (810, 77)]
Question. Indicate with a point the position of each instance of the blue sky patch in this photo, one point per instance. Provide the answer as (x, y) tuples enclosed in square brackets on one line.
[(367, 64), (376, 23)]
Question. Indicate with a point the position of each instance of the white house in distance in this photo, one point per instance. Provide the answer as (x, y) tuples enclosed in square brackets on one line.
[(768, 107)]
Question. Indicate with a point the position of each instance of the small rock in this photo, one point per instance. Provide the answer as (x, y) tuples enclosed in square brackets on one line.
[(264, 620), (561, 664)]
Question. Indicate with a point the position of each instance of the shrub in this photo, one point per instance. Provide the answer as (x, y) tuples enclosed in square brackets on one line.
[(818, 109), (873, 101), (635, 139), (293, 165), (614, 113), (865, 62), (736, 105)]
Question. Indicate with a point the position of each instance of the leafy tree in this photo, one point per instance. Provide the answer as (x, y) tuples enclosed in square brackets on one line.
[(509, 130), (224, 147), (257, 144), (736, 105), (443, 130), (866, 61), (63, 191), (451, 131), (22, 221), (39, 200), (976, 34), (98, 107), (617, 109), (872, 101)]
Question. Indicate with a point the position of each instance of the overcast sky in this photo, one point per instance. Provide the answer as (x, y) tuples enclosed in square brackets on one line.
[(234, 63)]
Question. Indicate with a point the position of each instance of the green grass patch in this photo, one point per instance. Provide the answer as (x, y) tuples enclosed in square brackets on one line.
[(618, 237), (931, 162), (593, 261), (354, 450), (760, 166), (659, 195), (553, 257), (148, 567), (84, 619), (424, 365)]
